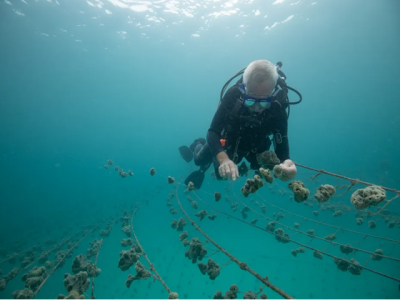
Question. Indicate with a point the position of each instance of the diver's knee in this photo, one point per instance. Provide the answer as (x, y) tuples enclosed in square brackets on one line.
[(198, 148), (197, 142), (198, 157)]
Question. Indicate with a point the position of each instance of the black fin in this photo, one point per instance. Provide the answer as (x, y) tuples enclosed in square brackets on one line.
[(197, 177), (186, 154)]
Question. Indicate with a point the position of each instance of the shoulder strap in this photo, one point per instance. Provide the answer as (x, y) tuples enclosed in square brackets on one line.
[(236, 108), (282, 96)]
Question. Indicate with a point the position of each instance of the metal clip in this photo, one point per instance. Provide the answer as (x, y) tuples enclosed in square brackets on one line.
[(235, 155), (278, 138)]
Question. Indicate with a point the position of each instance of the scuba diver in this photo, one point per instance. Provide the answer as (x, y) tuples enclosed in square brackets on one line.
[(249, 113)]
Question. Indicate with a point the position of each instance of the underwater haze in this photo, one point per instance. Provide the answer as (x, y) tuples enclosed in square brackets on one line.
[(84, 84)]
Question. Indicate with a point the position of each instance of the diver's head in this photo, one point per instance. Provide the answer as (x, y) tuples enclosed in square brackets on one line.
[(259, 83)]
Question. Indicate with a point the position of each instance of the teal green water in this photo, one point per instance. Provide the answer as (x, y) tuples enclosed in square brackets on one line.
[(82, 82)]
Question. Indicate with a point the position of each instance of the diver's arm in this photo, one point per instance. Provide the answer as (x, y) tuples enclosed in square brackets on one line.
[(213, 141), (227, 168), (220, 118), (281, 142)]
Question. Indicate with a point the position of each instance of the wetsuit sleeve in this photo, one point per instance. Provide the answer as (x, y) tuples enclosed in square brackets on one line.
[(220, 119), (281, 140), (213, 140)]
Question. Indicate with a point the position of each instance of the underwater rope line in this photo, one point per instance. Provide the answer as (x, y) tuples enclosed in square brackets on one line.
[(16, 254), (145, 255), (353, 181), (51, 250), (95, 265), (64, 258), (329, 225), (57, 246), (242, 265), (36, 260), (304, 233), (318, 222), (303, 245), (315, 237), (348, 208)]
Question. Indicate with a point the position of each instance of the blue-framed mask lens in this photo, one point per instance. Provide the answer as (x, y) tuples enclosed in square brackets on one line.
[(266, 102), (249, 102)]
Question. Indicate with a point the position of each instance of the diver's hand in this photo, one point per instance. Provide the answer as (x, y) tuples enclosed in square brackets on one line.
[(289, 170), (227, 169)]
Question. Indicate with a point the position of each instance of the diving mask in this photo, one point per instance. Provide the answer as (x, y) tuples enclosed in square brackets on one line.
[(264, 102)]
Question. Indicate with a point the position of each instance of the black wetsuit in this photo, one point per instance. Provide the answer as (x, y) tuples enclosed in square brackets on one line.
[(233, 123)]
